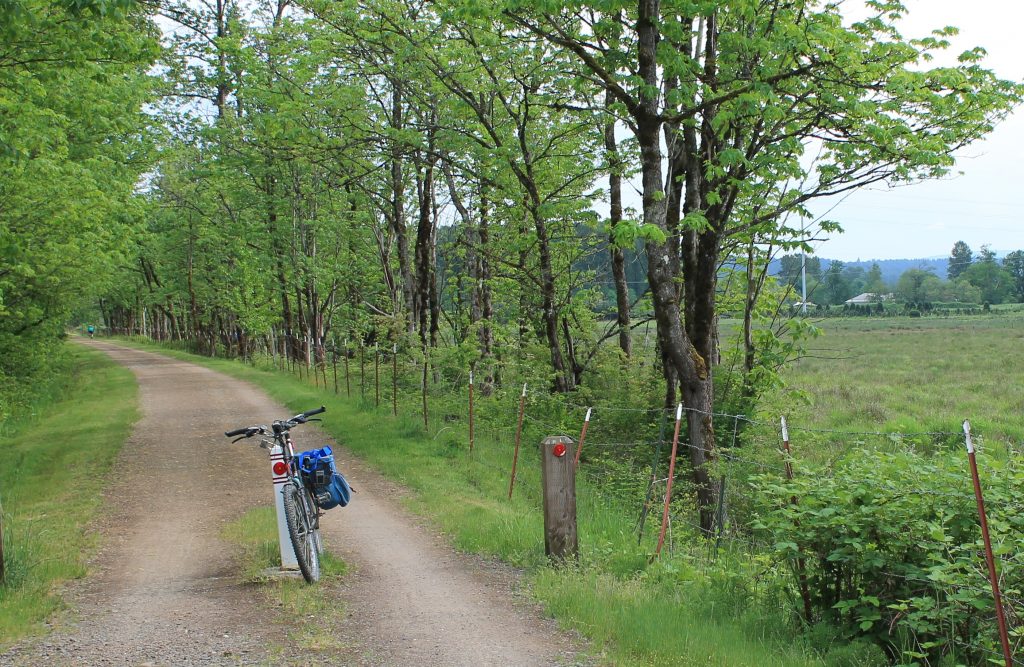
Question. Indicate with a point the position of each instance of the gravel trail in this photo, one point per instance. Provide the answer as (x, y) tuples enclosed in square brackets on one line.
[(164, 590)]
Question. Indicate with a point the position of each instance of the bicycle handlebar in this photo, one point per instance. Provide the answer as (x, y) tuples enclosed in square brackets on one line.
[(279, 426)]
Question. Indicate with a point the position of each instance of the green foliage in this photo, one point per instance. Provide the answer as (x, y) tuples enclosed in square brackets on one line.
[(917, 285), (638, 622), (960, 259), (1014, 265), (896, 555), (993, 281), (72, 148)]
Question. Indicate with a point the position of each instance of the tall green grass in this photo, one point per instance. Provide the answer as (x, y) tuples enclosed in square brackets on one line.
[(687, 610), (51, 483), (913, 375)]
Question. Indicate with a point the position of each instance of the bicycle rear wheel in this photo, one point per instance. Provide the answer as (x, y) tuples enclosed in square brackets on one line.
[(300, 515)]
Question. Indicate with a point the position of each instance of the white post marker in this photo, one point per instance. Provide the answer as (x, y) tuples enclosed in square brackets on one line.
[(788, 451), (583, 436), (279, 474)]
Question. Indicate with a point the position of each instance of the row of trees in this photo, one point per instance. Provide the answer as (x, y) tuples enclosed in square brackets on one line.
[(420, 173), (984, 279), (996, 282)]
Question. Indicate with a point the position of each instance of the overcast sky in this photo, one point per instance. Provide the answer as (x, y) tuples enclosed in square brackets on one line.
[(980, 206)]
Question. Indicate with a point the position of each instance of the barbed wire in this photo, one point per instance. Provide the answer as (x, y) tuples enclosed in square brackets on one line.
[(458, 386)]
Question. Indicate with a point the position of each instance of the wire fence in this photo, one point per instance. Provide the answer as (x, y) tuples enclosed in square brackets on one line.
[(625, 461)]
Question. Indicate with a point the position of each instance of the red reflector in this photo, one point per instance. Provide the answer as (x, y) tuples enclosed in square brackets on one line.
[(280, 468), (559, 450)]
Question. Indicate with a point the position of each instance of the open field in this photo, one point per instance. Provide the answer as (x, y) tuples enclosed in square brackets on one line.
[(912, 375)]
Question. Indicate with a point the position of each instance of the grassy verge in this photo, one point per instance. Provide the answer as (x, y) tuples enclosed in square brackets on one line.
[(52, 481), (255, 535), (683, 611)]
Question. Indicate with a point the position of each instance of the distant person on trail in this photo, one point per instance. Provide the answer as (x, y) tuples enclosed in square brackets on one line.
[(92, 331)]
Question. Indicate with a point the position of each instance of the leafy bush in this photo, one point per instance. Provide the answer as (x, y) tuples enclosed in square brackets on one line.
[(890, 549)]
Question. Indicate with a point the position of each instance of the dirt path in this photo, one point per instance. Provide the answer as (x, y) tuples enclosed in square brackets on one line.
[(165, 591)]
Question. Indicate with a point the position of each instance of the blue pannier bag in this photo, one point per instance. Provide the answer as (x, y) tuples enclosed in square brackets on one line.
[(319, 473)]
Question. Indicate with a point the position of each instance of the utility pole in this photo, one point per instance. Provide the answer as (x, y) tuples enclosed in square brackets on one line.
[(803, 283), (803, 270)]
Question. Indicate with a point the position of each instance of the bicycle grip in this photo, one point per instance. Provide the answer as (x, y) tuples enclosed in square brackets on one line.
[(237, 431), (314, 412)]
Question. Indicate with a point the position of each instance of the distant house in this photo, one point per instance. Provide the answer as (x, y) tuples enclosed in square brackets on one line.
[(867, 297)]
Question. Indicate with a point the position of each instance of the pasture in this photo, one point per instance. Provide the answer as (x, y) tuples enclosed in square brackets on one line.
[(912, 375)]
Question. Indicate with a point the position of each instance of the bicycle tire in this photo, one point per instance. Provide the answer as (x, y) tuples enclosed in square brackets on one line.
[(302, 532)]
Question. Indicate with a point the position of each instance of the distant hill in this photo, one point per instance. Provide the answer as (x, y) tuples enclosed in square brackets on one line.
[(892, 269)]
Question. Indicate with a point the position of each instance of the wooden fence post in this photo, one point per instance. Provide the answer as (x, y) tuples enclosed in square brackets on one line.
[(668, 486), (470, 410), (519, 435), (990, 560), (334, 364), (394, 379), (376, 374), (801, 564), (348, 384), (558, 478)]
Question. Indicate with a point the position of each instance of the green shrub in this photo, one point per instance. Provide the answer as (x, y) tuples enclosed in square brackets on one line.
[(890, 548)]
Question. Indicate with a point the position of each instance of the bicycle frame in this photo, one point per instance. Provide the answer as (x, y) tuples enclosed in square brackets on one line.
[(283, 438)]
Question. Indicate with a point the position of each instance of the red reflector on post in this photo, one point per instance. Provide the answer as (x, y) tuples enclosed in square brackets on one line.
[(280, 468), (558, 450)]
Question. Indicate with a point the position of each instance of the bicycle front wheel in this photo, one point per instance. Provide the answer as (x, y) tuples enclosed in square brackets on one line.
[(300, 515)]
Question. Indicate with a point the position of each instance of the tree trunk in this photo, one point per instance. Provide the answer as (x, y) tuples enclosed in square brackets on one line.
[(193, 325), (688, 365), (618, 259), (549, 312), (223, 85), (424, 251), (397, 218)]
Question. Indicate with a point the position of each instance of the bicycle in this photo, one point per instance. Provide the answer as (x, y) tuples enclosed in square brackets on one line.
[(301, 511)]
